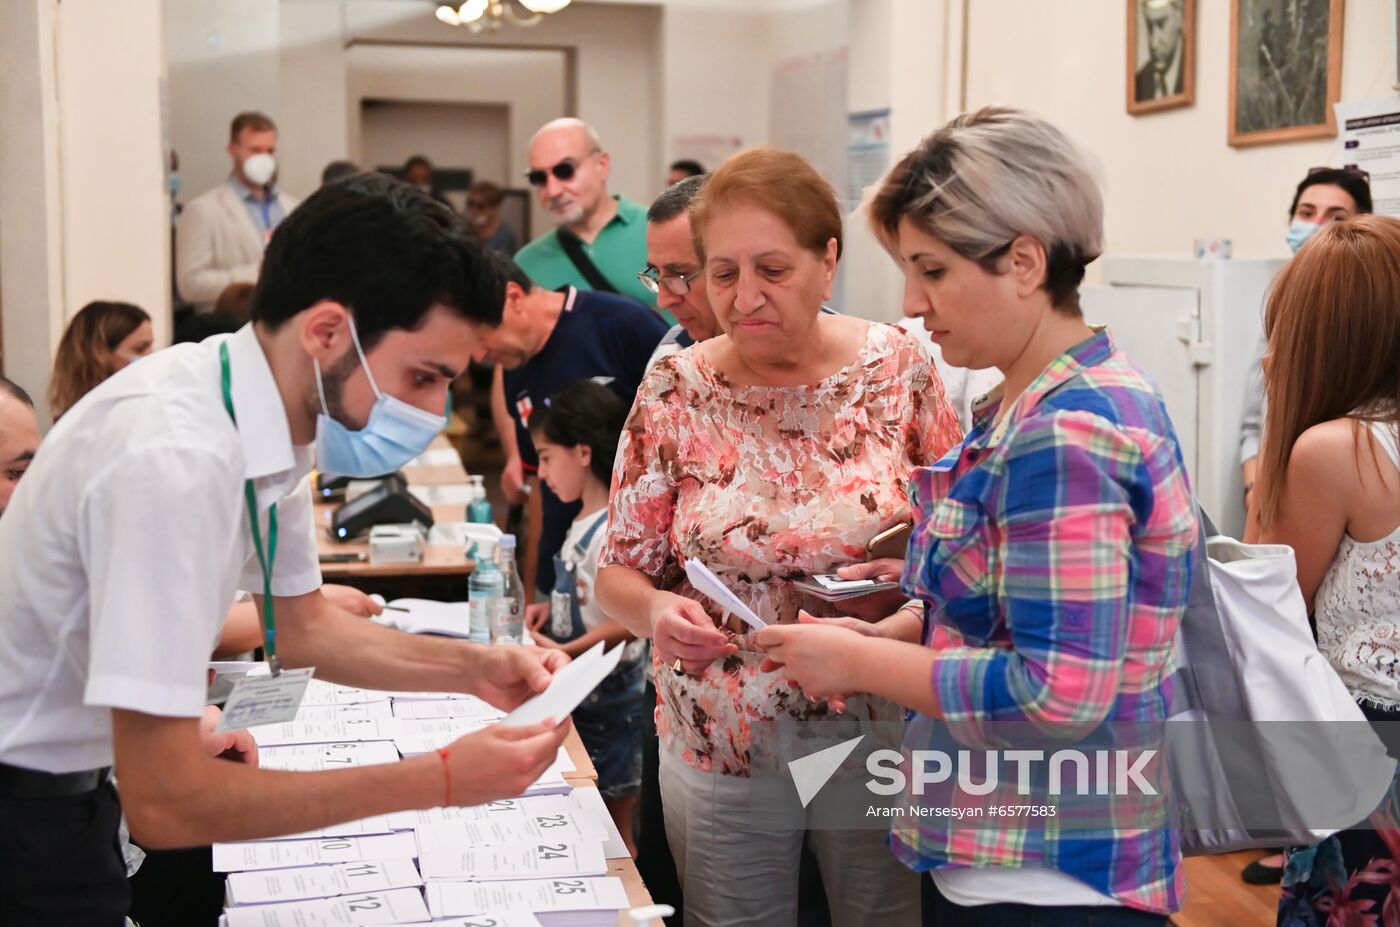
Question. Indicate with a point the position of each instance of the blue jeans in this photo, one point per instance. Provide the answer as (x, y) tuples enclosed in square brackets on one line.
[(940, 912)]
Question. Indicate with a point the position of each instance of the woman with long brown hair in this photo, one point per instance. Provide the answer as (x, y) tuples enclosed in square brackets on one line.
[(101, 339), (1329, 487)]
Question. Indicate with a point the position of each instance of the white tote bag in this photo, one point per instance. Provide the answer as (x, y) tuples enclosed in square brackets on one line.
[(1267, 747)]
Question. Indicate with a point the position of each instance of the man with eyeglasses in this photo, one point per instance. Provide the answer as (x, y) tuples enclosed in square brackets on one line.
[(674, 271), (600, 240)]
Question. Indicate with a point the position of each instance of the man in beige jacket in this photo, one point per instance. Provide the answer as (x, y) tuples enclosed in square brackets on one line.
[(220, 236)]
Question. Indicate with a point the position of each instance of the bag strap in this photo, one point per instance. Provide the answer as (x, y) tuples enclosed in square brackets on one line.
[(581, 547), (1210, 656), (573, 247)]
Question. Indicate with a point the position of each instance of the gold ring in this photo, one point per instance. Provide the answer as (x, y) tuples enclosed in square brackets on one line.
[(677, 668)]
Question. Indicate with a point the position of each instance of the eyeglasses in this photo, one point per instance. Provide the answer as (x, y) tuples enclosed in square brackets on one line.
[(677, 284), (477, 204), (564, 171), (1351, 169)]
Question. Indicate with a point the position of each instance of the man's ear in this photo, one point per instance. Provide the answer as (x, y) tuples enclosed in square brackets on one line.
[(324, 330)]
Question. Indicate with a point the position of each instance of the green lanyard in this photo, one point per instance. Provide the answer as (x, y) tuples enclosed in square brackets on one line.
[(264, 561)]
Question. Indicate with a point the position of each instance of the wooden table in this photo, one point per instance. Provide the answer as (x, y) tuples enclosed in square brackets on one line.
[(443, 571), (585, 776)]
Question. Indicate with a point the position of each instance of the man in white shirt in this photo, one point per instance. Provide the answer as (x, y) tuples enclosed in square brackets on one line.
[(125, 542), (221, 234)]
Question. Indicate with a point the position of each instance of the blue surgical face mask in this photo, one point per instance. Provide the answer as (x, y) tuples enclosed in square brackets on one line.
[(395, 433), (1299, 233)]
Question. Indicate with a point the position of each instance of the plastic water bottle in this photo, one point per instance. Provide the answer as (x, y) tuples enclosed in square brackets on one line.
[(508, 620), (484, 591), (479, 508)]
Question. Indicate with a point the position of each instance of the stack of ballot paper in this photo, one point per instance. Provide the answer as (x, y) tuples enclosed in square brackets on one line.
[(422, 616), (535, 860)]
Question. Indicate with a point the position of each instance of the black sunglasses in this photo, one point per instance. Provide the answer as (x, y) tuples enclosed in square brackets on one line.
[(564, 171)]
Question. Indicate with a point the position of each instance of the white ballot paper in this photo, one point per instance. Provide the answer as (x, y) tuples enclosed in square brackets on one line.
[(364, 827), (352, 730), (308, 882), (287, 854), (369, 711), (569, 687), (321, 692), (493, 919), (414, 737), (712, 587), (459, 836), (265, 699), (320, 757), (543, 896), (517, 861), (509, 809), (367, 910), (408, 709), (594, 814)]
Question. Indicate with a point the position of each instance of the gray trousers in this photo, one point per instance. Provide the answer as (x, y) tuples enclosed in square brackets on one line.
[(738, 843)]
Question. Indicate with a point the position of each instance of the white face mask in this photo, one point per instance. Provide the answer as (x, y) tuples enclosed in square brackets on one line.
[(259, 168)]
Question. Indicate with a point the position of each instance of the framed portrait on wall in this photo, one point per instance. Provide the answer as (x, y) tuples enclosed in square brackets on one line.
[(1285, 70), (1161, 55)]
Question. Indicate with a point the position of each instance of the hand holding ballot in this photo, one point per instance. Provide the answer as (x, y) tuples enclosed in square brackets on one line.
[(499, 761), (507, 675), (682, 630), (812, 653)]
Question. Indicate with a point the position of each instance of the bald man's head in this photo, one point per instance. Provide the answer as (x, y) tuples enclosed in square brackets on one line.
[(569, 170), (19, 438)]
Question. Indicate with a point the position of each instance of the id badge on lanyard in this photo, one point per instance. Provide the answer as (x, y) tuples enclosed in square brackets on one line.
[(274, 698)]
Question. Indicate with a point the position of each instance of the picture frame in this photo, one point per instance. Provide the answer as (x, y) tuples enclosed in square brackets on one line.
[(1161, 73), (1285, 70)]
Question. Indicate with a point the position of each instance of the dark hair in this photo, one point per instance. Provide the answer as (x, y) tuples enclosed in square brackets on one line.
[(235, 300), (195, 328), (1353, 181), (417, 161), (14, 389), (689, 166), (82, 361), (584, 412), (256, 121), (383, 249), (338, 170), (490, 193), (676, 199), (507, 271)]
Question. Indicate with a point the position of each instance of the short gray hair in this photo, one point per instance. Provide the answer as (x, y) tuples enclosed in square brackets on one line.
[(990, 176), (675, 200)]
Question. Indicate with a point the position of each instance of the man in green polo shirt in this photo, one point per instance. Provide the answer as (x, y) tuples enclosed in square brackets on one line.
[(601, 240)]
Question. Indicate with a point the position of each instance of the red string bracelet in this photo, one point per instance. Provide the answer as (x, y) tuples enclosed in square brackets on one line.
[(443, 752)]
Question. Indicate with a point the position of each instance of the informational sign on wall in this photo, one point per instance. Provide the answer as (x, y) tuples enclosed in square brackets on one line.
[(867, 151), (1369, 138)]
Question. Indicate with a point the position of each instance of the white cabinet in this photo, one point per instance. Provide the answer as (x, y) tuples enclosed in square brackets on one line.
[(1194, 326)]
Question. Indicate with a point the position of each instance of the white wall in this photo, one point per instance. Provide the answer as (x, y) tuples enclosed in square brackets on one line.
[(451, 135), (530, 84), (1171, 177)]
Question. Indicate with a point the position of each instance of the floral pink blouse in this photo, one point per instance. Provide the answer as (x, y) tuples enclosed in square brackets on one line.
[(765, 485)]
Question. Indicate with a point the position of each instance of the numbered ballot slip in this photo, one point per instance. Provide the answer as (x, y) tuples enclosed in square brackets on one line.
[(594, 817), (515, 809), (288, 854), (353, 730), (568, 688), (369, 711), (364, 827), (459, 836), (523, 861), (307, 882), (410, 709), (320, 692), (416, 736), (370, 909), (575, 902), (321, 757)]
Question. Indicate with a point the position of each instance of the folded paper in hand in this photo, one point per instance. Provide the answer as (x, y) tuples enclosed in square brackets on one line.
[(712, 587), (569, 687)]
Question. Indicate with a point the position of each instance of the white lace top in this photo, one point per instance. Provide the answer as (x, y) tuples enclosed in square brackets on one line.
[(1358, 607)]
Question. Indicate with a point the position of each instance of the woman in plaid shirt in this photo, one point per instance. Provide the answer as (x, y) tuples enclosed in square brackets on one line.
[(1052, 551)]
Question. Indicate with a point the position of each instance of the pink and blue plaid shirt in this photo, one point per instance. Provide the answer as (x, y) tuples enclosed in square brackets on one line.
[(1054, 550)]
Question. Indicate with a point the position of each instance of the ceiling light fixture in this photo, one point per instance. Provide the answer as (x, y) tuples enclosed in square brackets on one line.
[(490, 15)]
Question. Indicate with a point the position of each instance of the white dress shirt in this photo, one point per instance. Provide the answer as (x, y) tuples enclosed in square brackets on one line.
[(127, 540)]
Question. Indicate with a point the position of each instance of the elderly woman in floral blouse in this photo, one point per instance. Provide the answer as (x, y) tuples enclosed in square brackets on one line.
[(773, 451)]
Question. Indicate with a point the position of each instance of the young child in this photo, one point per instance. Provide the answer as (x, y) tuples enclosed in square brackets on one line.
[(576, 438)]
